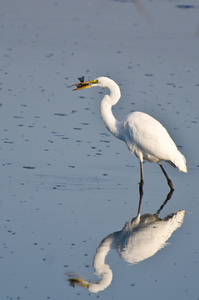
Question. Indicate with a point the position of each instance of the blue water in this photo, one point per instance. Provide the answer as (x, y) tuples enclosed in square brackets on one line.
[(66, 183)]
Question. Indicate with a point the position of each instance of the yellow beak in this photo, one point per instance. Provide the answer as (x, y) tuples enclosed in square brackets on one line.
[(79, 282), (84, 85)]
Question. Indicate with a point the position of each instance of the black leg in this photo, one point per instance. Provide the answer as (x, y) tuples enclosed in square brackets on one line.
[(167, 177), (141, 186), (141, 176)]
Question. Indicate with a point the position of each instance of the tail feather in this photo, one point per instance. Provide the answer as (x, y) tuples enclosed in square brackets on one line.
[(180, 162)]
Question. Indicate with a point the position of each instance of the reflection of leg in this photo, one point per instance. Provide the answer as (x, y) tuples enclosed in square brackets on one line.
[(167, 177), (165, 202), (141, 195)]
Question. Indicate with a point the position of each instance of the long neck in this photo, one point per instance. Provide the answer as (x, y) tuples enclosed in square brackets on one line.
[(106, 110), (103, 270)]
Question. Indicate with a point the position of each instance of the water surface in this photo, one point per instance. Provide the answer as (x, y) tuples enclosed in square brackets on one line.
[(66, 183)]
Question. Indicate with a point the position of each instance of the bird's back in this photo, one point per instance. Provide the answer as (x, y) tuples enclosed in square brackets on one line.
[(150, 141)]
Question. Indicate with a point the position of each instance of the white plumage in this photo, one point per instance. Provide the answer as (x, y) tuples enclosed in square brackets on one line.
[(143, 134), (150, 141)]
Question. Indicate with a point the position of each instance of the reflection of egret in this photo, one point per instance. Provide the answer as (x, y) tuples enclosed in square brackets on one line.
[(139, 239), (144, 135)]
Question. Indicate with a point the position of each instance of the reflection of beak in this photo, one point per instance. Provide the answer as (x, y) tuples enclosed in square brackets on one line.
[(84, 85), (78, 282)]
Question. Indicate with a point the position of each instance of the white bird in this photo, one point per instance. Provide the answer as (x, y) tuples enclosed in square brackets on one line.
[(143, 134)]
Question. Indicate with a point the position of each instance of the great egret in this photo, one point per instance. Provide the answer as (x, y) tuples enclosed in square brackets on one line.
[(143, 134)]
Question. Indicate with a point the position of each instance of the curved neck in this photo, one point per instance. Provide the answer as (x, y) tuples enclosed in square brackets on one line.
[(101, 268), (106, 110)]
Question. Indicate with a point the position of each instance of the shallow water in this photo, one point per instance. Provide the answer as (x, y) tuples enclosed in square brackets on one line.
[(66, 183)]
